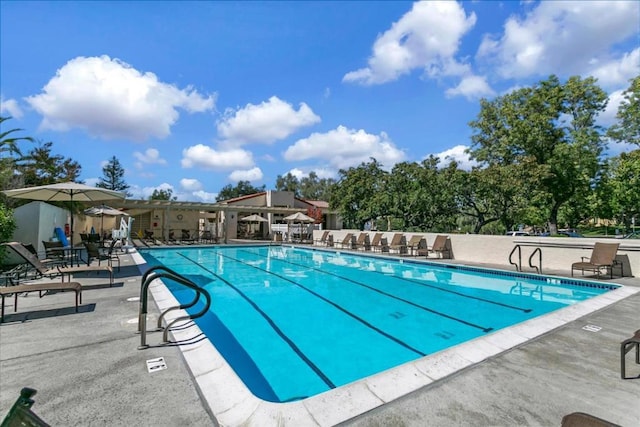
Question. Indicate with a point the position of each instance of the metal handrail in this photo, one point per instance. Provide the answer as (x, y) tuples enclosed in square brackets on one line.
[(519, 264), (164, 272), (539, 252)]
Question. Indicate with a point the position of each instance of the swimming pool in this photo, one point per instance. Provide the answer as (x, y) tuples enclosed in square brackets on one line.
[(294, 322)]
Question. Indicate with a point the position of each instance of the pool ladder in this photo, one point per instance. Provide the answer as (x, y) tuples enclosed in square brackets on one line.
[(164, 272), (518, 265)]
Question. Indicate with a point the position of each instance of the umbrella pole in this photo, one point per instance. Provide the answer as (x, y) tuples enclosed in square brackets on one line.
[(71, 230)]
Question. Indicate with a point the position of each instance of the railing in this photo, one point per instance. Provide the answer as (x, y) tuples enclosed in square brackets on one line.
[(164, 272), (519, 264), (539, 252)]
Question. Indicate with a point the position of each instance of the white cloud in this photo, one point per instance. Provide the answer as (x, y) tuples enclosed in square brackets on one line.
[(110, 99), (146, 192), (254, 174), (618, 73), (11, 106), (344, 147), (457, 154), (150, 156), (471, 87), (92, 181), (267, 122), (608, 116), (204, 196), (208, 158), (189, 184), (320, 172), (561, 37), (427, 38)]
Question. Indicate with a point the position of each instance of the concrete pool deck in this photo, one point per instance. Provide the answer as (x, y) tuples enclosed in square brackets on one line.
[(88, 371)]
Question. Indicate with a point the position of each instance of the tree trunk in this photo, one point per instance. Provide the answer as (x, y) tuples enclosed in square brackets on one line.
[(553, 219)]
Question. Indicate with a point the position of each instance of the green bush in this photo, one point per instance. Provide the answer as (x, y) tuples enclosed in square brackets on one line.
[(7, 227)]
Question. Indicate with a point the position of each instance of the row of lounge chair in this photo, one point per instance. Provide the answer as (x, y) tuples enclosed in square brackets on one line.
[(416, 246)]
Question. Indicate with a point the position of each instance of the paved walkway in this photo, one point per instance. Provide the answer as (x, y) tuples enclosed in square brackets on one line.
[(88, 371)]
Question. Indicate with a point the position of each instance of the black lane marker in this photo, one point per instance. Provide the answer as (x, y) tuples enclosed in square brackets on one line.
[(524, 310), (275, 327), (464, 322), (328, 301)]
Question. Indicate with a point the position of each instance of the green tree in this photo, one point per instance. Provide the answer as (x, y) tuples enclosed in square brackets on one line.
[(491, 194), (628, 127), (113, 178), (549, 131), (357, 194), (618, 191), (243, 188), (162, 194), (288, 182), (314, 188), (10, 157), (41, 167)]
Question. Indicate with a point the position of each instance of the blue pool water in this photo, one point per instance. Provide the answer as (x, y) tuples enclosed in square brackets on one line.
[(296, 322)]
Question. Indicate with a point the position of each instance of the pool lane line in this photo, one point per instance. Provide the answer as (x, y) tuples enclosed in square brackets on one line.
[(271, 322), (417, 282), (328, 301), (430, 310)]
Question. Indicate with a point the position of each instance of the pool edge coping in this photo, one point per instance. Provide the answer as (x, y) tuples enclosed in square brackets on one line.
[(232, 403)]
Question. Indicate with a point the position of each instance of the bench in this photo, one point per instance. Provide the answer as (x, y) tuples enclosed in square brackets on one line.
[(40, 287), (21, 414)]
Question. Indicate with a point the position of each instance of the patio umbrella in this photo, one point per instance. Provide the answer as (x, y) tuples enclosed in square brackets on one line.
[(254, 218), (297, 217), (65, 192), (102, 211)]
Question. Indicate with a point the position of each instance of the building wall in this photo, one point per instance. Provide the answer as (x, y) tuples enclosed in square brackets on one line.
[(36, 221)]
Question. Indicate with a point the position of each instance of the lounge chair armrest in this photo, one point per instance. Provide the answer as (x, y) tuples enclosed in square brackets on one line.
[(585, 258)]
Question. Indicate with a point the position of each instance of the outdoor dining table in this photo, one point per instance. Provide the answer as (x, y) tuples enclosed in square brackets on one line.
[(71, 254)]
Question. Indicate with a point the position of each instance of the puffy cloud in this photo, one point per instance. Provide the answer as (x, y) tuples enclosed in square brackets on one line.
[(457, 154), (617, 73), (204, 196), (427, 37), (320, 172), (254, 174), (267, 122), (11, 107), (608, 116), (110, 99), (343, 148), (146, 192), (471, 87), (561, 37), (208, 158), (189, 184), (150, 156)]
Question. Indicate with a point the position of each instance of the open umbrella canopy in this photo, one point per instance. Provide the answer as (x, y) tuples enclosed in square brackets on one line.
[(65, 192), (254, 218), (299, 217), (103, 210)]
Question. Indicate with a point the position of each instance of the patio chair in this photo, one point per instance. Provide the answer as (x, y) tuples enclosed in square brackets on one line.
[(376, 243), (58, 270), (398, 244), (347, 242), (580, 419), (602, 256), (417, 245), (53, 252), (21, 414), (363, 242), (322, 241), (625, 347), (441, 246), (94, 252)]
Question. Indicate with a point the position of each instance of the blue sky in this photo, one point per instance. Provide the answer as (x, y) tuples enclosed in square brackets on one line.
[(193, 96)]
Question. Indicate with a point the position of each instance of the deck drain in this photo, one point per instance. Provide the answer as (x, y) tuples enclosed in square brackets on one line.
[(157, 364), (133, 299), (591, 328), (131, 280)]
